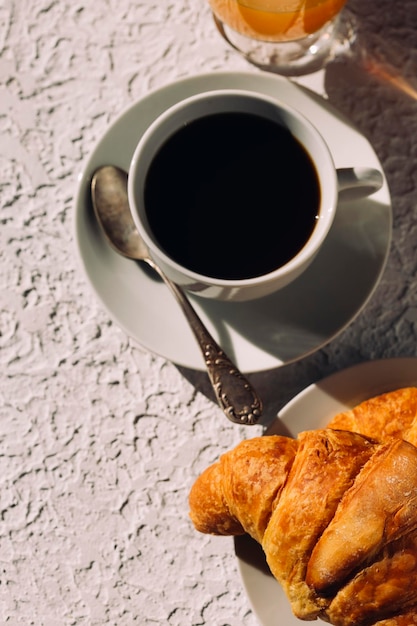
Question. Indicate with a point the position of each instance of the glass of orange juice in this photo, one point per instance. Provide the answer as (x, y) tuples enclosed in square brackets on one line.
[(289, 36)]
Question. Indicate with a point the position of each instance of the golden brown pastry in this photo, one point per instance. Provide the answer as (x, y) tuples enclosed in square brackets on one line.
[(335, 512), (392, 414)]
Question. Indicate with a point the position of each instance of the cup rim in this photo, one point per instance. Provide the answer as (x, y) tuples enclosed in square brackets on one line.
[(325, 214)]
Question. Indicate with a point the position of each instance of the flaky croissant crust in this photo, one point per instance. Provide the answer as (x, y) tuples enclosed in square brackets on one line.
[(334, 510)]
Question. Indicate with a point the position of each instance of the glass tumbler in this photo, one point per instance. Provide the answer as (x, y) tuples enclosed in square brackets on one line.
[(291, 37)]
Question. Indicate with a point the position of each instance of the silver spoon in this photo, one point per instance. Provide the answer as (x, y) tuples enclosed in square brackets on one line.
[(234, 393)]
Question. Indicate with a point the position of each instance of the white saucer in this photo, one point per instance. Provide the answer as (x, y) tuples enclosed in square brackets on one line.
[(269, 332), (313, 408)]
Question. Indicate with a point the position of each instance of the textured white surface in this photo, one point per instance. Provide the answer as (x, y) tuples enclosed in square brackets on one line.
[(100, 440)]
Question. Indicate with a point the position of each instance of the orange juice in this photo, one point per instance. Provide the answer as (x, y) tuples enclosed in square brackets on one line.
[(276, 20)]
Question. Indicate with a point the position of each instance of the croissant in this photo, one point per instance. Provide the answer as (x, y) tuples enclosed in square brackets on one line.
[(334, 510), (392, 414)]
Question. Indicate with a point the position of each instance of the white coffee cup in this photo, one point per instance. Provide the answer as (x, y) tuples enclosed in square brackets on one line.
[(217, 104)]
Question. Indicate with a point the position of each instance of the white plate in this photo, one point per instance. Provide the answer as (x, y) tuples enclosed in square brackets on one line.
[(277, 329), (313, 408)]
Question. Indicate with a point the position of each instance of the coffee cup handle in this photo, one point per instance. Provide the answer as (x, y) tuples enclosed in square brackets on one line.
[(358, 182)]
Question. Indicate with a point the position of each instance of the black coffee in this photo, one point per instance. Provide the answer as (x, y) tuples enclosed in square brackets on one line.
[(232, 196)]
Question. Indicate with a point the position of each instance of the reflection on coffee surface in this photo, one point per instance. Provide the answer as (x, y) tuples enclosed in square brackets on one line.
[(232, 196)]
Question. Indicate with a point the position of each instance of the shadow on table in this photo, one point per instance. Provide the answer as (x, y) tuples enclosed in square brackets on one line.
[(375, 84)]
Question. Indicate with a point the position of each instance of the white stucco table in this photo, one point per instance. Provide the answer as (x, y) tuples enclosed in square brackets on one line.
[(100, 440)]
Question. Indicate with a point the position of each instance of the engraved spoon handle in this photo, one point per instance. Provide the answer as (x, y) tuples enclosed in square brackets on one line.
[(235, 394)]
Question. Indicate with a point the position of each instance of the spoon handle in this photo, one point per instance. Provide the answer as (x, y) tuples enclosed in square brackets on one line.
[(235, 394)]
